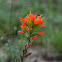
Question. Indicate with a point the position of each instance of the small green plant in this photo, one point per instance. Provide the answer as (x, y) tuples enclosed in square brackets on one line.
[(56, 42)]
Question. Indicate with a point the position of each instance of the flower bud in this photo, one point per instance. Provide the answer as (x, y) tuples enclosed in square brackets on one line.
[(29, 44), (35, 37), (21, 32), (28, 54), (41, 33), (25, 45), (21, 57)]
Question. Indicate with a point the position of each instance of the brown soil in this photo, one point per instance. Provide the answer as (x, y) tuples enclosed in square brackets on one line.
[(37, 55)]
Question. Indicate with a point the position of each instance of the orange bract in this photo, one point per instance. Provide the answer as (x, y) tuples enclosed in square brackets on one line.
[(21, 19), (42, 26), (21, 32), (25, 45), (41, 23), (27, 19), (22, 26), (41, 33), (36, 22), (38, 17), (35, 37), (29, 44), (28, 29), (30, 53), (32, 17)]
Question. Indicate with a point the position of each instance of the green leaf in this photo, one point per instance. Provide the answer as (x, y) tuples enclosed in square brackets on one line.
[(33, 34), (35, 27)]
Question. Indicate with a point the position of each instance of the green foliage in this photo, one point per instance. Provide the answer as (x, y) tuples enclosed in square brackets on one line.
[(14, 49), (56, 42), (38, 41)]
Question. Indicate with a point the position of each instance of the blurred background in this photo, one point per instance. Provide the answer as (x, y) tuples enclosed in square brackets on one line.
[(45, 48)]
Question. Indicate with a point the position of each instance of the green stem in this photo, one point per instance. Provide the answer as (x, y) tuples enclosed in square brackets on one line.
[(25, 51), (29, 38)]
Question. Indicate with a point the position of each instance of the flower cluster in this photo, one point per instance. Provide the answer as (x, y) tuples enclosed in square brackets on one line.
[(29, 24)]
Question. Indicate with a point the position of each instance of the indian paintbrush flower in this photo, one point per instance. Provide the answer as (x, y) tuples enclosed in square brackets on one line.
[(25, 45), (21, 32), (28, 29), (29, 24), (35, 37), (28, 54), (41, 33), (22, 26)]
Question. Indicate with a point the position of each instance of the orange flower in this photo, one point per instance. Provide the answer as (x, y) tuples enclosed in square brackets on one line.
[(21, 32), (28, 54), (27, 19), (25, 45), (42, 26), (32, 17), (41, 33), (28, 29), (29, 44), (21, 19), (22, 26), (36, 22), (35, 37), (38, 17), (41, 23)]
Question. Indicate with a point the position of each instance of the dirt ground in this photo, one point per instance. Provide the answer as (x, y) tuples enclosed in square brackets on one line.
[(37, 52), (37, 55)]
